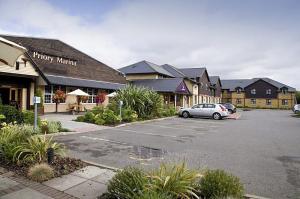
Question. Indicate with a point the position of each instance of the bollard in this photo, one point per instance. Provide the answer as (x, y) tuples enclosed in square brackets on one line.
[(50, 155)]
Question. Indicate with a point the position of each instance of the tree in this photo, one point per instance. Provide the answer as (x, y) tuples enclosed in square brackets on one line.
[(298, 97), (59, 96)]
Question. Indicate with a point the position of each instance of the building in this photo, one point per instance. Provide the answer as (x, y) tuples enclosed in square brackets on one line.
[(178, 87), (258, 93), (175, 89), (216, 89), (49, 65)]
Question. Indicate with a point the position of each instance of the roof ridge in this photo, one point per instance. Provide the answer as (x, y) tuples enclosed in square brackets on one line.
[(29, 37), (177, 70)]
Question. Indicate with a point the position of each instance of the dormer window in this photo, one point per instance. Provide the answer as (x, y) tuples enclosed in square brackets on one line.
[(253, 91), (268, 91)]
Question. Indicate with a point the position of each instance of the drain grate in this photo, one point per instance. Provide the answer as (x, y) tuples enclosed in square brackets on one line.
[(146, 153)]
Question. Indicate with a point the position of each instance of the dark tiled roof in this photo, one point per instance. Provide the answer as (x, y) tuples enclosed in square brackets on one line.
[(173, 70), (144, 67), (86, 67), (214, 79), (232, 84), (161, 85), (193, 72), (69, 81)]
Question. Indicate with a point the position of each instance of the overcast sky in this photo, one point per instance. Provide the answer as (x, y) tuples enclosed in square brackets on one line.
[(232, 38)]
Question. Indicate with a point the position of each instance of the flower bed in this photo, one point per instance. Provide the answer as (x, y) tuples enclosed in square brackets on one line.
[(173, 181), (138, 104), (25, 152)]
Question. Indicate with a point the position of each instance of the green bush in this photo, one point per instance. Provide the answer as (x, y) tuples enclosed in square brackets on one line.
[(127, 184), (80, 118), (89, 117), (99, 120), (97, 110), (35, 149), (54, 127), (110, 117), (12, 136), (2, 117), (40, 172), (218, 184), (177, 181), (143, 101), (11, 114), (129, 115), (152, 195)]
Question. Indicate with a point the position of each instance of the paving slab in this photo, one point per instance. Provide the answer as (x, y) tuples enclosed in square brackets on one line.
[(6, 183), (89, 189), (104, 177), (64, 182), (25, 194), (89, 172)]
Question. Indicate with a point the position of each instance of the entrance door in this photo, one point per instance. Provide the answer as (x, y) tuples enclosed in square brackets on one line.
[(4, 95)]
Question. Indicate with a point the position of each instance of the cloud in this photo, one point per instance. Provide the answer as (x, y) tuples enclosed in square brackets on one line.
[(233, 40)]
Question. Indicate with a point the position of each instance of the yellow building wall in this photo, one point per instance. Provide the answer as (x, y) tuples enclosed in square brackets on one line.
[(141, 76)]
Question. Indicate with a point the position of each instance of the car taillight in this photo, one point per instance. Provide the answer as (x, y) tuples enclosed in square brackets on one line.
[(223, 108)]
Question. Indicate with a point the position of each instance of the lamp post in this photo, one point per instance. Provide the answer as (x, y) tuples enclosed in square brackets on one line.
[(120, 106)]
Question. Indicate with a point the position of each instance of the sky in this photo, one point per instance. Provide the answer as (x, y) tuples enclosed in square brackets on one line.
[(231, 38)]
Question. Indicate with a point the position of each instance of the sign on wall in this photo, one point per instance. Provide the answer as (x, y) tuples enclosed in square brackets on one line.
[(54, 59)]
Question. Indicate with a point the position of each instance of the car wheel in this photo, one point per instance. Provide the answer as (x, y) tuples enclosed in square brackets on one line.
[(185, 114), (230, 111), (297, 112), (217, 116)]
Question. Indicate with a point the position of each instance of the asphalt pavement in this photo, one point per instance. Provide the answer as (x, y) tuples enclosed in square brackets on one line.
[(262, 147)]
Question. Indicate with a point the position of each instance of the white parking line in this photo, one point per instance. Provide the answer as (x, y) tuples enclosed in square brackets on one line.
[(104, 140)]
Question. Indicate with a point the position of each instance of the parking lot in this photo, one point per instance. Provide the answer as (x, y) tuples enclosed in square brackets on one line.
[(261, 147)]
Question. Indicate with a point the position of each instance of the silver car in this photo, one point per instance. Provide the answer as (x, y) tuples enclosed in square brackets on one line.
[(296, 108), (215, 111)]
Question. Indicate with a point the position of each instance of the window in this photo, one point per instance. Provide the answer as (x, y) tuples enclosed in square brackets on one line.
[(268, 91), (253, 101), (50, 91), (284, 90), (206, 87), (92, 95), (268, 102), (253, 91), (284, 102), (238, 101), (238, 90)]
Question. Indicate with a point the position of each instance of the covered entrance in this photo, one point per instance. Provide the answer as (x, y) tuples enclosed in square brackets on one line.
[(16, 91)]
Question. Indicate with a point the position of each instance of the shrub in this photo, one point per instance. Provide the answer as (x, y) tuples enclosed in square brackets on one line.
[(35, 149), (53, 127), (143, 101), (11, 114), (218, 184), (80, 118), (11, 136), (28, 117), (109, 117), (2, 117), (99, 120), (152, 195), (40, 172), (127, 184), (178, 181), (129, 115), (89, 117), (97, 110)]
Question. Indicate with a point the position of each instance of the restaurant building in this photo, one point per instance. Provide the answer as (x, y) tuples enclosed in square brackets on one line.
[(258, 93), (49, 65)]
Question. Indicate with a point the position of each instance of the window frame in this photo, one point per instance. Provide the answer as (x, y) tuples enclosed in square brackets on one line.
[(269, 91), (253, 101), (253, 91), (268, 102), (51, 93)]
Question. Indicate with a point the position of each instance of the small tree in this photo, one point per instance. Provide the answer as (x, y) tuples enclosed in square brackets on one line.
[(100, 98), (59, 96)]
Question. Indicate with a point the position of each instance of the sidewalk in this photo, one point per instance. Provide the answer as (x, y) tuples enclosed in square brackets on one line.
[(88, 182)]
